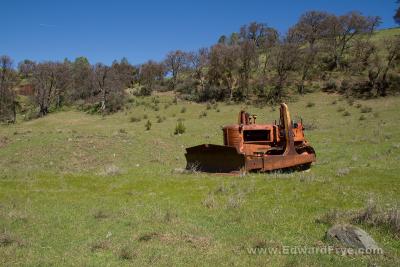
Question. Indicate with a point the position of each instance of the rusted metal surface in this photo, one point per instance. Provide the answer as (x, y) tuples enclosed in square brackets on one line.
[(249, 146)]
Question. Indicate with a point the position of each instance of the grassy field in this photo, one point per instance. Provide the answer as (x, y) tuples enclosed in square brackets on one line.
[(86, 190)]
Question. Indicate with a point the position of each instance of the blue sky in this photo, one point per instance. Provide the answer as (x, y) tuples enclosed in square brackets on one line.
[(142, 30)]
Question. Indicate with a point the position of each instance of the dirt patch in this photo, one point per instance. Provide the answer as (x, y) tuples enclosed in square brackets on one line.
[(194, 241), (6, 239), (200, 242), (100, 246), (4, 141)]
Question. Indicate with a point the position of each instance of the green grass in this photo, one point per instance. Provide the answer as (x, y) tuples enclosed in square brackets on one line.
[(86, 190)]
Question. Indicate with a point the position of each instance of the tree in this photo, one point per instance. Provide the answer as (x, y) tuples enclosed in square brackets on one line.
[(44, 83), (81, 79), (198, 62), (63, 79), (224, 67), (269, 40), (126, 72), (309, 30), (360, 54), (342, 30), (254, 31), (101, 73), (284, 59), (175, 62), (25, 68), (150, 73), (7, 94), (396, 16), (248, 57)]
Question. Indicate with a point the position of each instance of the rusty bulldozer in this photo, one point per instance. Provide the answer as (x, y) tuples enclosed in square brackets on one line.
[(249, 146)]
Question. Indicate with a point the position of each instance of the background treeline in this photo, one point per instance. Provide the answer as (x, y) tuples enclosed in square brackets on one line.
[(321, 51)]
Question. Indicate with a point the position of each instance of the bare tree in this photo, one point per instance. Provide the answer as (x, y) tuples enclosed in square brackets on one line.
[(26, 68), (126, 72), (198, 62), (101, 73), (150, 73), (254, 31), (175, 62), (7, 94), (64, 82), (44, 82)]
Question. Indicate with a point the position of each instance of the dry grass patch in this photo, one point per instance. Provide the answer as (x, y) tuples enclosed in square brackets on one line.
[(127, 253), (200, 242), (100, 245), (7, 239)]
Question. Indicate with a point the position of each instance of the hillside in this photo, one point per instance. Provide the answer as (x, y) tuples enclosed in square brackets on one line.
[(78, 189)]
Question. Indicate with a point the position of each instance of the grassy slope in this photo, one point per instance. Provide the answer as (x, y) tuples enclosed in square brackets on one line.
[(56, 201)]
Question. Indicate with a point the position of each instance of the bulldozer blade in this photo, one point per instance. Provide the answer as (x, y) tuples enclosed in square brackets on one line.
[(214, 158)]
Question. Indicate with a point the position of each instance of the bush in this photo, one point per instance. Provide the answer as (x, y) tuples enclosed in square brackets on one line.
[(346, 114), (310, 104), (208, 107), (334, 102), (183, 109), (145, 116), (180, 128), (340, 109), (203, 114), (329, 86), (362, 118), (135, 119), (160, 119), (148, 125), (350, 101), (366, 109)]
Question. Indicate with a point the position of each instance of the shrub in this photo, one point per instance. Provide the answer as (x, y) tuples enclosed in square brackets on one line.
[(350, 101), (362, 118), (310, 104), (366, 109), (183, 109), (180, 128), (145, 116), (358, 105), (208, 106), (340, 109), (160, 119), (148, 125), (203, 114), (329, 86), (135, 119), (346, 114), (334, 102)]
